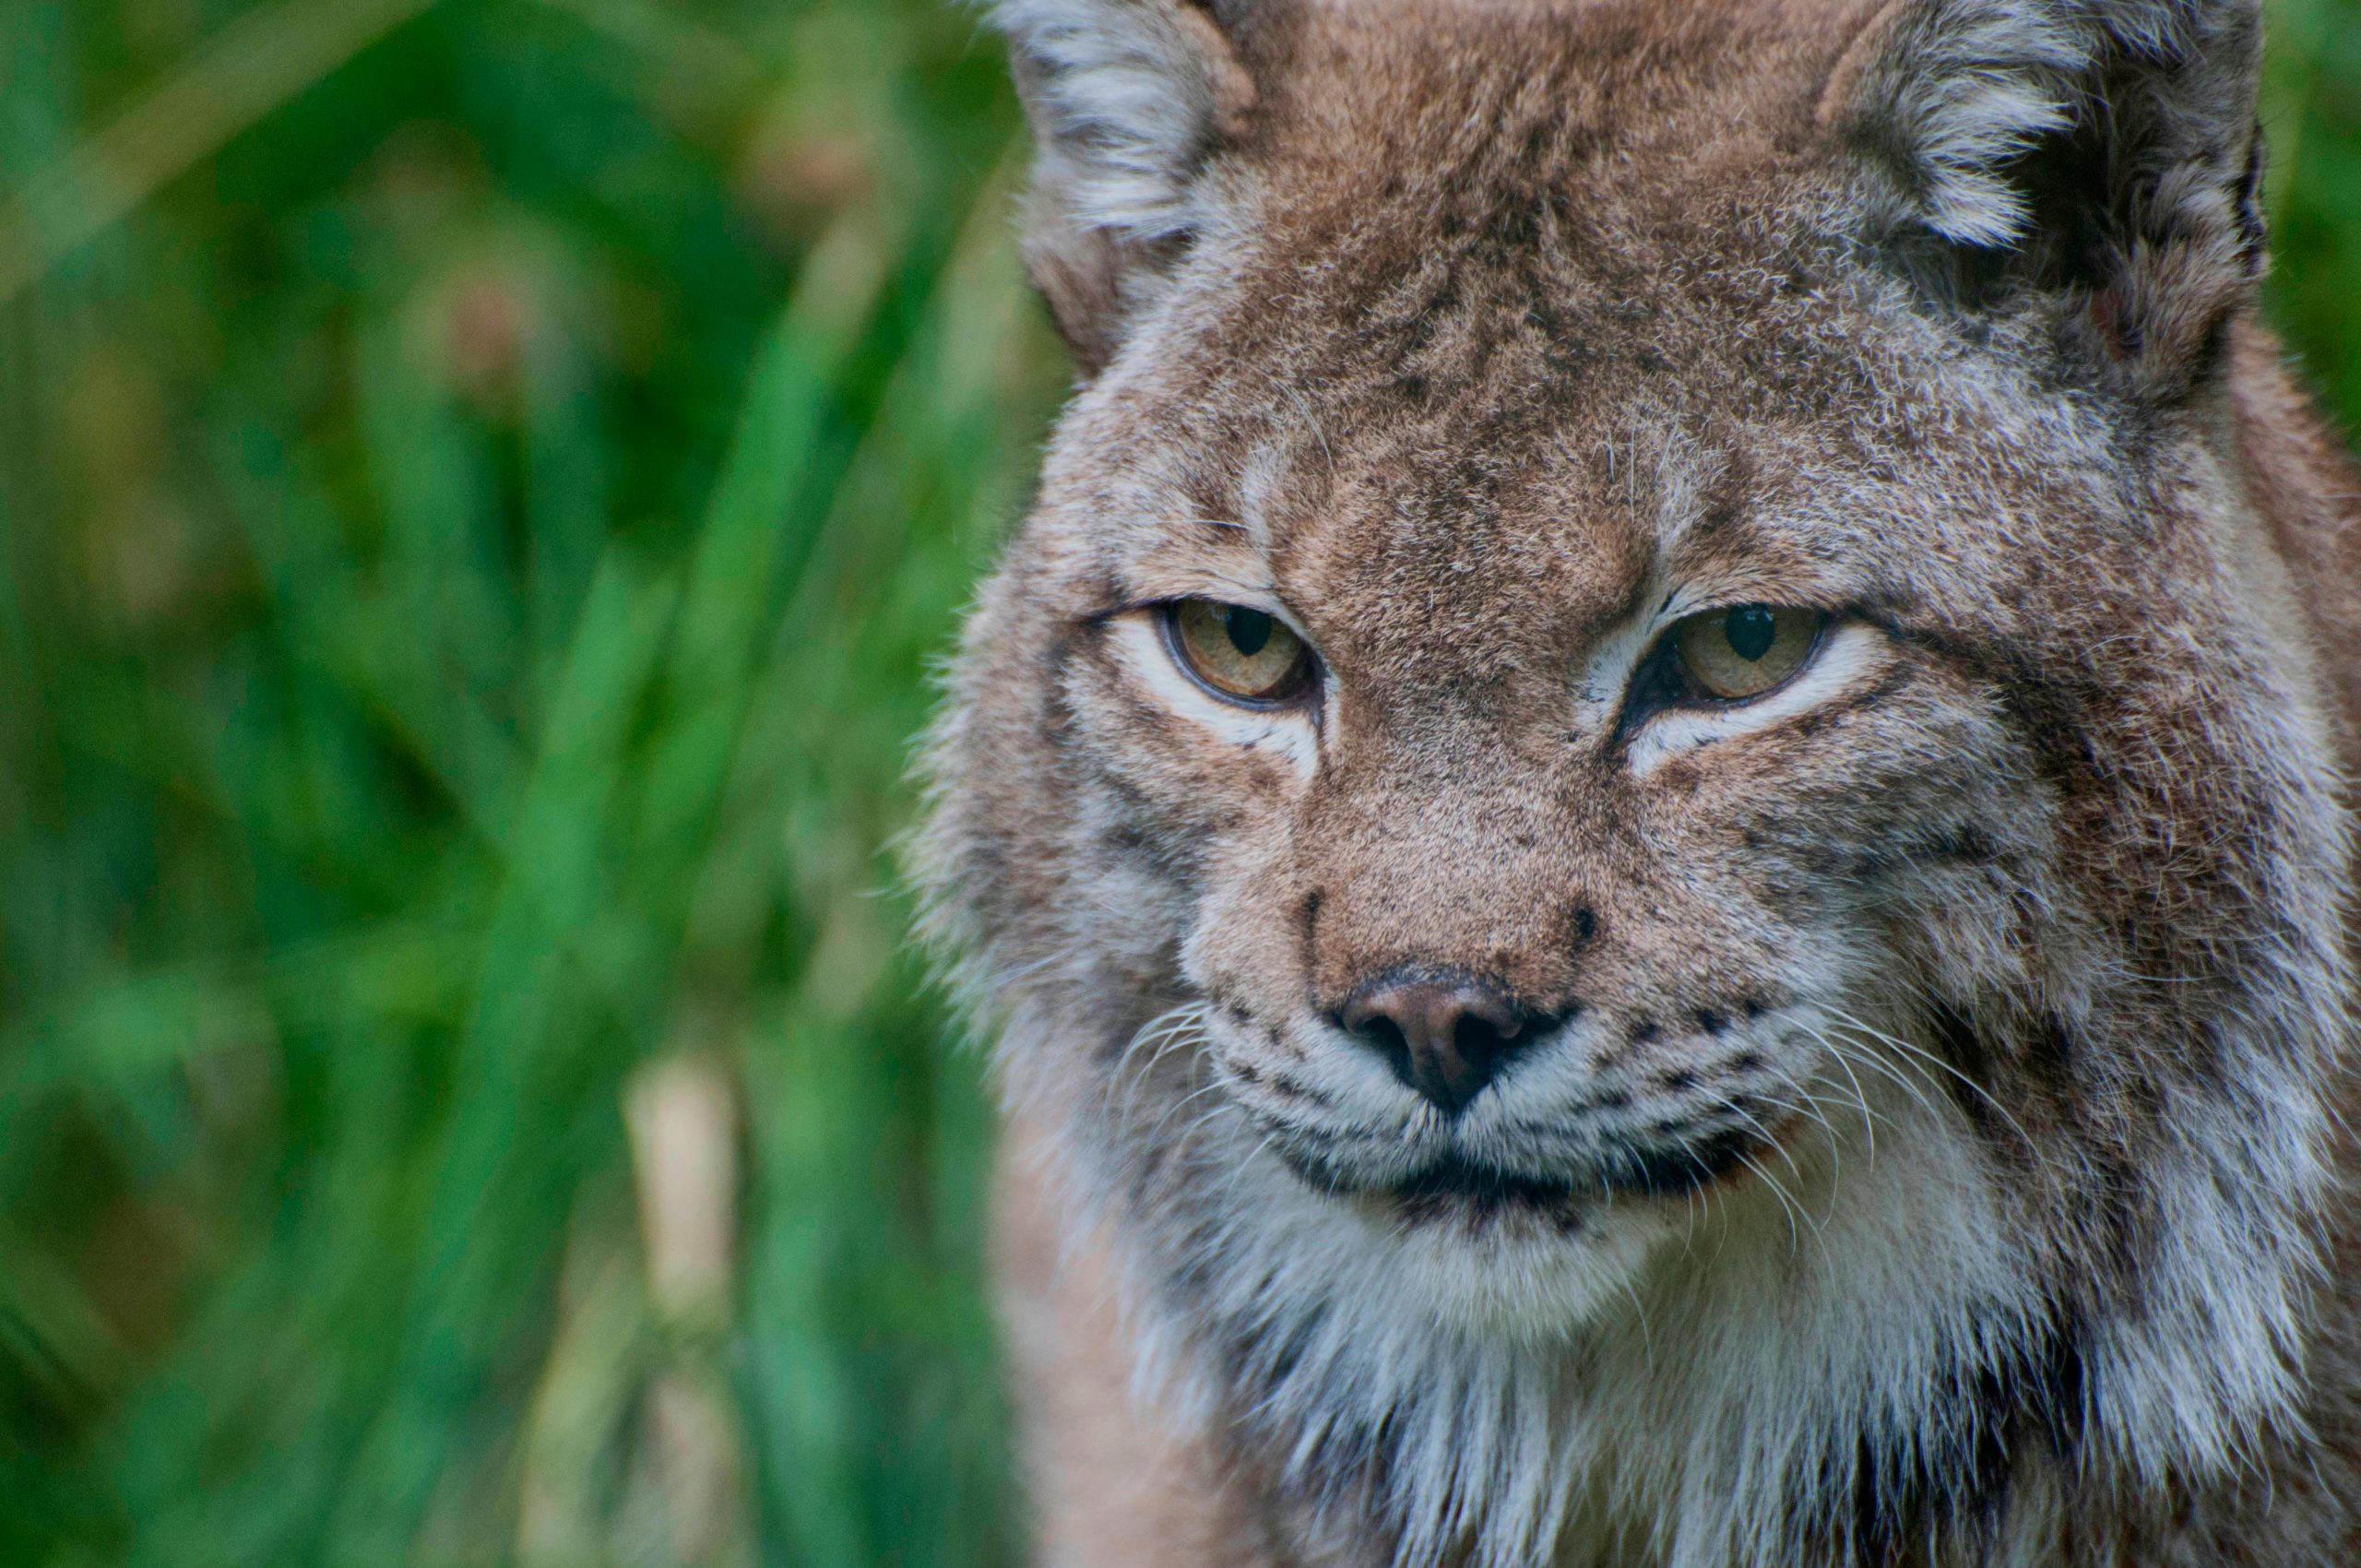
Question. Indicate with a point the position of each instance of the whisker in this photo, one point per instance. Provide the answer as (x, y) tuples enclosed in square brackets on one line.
[(1157, 1131), (1156, 1039), (1835, 1143), (1931, 1059), (1794, 1239), (1878, 1064), (1868, 1119)]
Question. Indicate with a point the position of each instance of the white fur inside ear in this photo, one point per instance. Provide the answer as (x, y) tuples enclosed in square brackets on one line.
[(1968, 88), (1851, 654), (1124, 100), (1284, 731)]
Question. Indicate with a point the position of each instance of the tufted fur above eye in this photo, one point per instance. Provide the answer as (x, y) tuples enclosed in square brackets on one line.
[(1128, 100), (2100, 154)]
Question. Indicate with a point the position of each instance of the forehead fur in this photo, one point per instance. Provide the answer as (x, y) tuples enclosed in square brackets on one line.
[(1488, 211), (1506, 315)]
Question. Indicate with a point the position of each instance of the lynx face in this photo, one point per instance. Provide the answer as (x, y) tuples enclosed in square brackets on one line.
[(1592, 809), (1644, 635)]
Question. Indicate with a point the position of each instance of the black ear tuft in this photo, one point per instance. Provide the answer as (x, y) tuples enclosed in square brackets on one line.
[(2096, 158)]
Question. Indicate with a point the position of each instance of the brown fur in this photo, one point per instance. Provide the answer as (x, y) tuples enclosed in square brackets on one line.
[(1466, 334)]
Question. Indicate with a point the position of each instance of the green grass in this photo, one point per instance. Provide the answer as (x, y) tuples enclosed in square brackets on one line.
[(480, 485)]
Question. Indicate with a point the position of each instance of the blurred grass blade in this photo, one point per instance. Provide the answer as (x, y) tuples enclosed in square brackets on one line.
[(495, 1175), (254, 65), (679, 45), (730, 585)]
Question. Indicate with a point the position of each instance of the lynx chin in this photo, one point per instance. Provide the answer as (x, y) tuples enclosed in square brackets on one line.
[(1656, 815)]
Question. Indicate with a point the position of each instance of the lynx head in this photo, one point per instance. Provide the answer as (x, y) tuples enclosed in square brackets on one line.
[(1644, 701)]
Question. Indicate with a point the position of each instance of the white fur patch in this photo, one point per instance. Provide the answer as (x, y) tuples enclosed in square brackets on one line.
[(1287, 732), (1642, 1390), (1605, 676), (1970, 88), (1849, 656)]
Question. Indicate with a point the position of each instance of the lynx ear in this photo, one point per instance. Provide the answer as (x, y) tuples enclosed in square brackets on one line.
[(1128, 100), (2100, 155)]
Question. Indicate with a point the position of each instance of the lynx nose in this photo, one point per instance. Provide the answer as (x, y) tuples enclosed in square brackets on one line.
[(1443, 1037)]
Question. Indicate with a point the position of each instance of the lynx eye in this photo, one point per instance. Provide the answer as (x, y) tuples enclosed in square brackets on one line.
[(1745, 650), (1245, 655)]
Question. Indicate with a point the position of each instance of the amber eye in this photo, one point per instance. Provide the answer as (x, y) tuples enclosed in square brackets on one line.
[(1744, 651), (1244, 654)]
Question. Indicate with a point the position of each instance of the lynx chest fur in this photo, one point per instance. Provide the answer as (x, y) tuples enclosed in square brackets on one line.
[(1655, 815)]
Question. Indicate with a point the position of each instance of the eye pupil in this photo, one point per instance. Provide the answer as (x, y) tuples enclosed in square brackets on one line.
[(1751, 629), (1735, 654), (1250, 630), (1247, 654)]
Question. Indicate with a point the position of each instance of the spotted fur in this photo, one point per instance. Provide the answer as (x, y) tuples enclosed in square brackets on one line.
[(1935, 1157)]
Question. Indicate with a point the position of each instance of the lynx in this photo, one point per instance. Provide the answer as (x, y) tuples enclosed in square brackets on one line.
[(1654, 817)]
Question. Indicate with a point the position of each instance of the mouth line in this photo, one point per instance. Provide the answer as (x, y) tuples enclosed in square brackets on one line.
[(1459, 1193), (1453, 1187), (1452, 1178)]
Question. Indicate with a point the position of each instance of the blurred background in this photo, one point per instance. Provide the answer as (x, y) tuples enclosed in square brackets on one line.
[(481, 485)]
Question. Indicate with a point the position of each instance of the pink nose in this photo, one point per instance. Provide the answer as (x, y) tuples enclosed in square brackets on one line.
[(1445, 1039)]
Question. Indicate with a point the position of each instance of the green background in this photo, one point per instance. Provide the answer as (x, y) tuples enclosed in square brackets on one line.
[(481, 486)]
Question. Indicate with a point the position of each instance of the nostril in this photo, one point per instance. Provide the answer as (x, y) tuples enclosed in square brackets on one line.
[(1385, 1035), (1479, 1038)]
